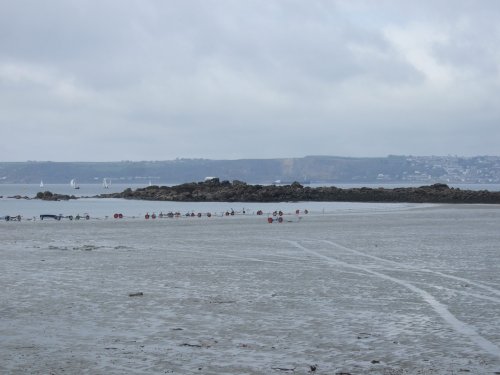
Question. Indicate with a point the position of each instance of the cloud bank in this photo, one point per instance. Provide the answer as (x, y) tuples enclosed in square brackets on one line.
[(154, 80)]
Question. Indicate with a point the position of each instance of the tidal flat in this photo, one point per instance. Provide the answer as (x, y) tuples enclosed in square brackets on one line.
[(413, 290)]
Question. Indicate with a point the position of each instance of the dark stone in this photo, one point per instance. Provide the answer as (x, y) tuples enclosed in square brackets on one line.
[(138, 294), (49, 196), (239, 183), (238, 191)]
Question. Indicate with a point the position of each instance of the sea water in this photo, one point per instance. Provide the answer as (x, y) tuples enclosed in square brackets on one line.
[(100, 208), (347, 288)]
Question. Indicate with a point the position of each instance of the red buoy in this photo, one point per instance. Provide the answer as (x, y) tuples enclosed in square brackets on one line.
[(270, 220)]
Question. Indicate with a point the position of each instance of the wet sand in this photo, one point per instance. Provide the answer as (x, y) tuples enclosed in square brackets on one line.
[(413, 291)]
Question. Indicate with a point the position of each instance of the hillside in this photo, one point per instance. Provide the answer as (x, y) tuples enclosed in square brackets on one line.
[(316, 169)]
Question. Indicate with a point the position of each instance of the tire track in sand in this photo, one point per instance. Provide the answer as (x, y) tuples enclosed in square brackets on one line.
[(408, 267), (441, 309)]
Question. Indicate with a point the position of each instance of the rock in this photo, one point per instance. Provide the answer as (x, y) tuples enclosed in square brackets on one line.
[(238, 191), (239, 183), (49, 196), (138, 294)]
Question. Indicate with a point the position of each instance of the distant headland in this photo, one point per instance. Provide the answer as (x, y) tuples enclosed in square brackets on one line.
[(399, 169)]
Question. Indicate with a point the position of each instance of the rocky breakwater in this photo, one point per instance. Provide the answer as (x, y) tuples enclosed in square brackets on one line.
[(237, 191)]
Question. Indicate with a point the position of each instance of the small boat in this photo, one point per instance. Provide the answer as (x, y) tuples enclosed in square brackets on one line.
[(106, 183), (55, 217), (12, 218), (73, 184), (41, 183)]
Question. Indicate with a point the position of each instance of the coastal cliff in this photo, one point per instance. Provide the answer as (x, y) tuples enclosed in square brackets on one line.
[(237, 191)]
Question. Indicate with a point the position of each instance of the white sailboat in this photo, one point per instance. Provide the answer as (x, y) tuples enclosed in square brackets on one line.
[(73, 184), (41, 183), (106, 183)]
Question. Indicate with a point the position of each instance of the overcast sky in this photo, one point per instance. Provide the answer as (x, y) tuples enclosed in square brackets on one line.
[(95, 80)]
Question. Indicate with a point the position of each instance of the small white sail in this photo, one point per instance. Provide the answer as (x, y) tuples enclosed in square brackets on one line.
[(41, 183), (73, 184), (105, 183)]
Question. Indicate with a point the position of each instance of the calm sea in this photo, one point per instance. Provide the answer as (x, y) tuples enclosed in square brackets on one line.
[(103, 208)]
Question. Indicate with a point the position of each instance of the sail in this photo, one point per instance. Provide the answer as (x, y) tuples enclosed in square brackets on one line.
[(41, 183)]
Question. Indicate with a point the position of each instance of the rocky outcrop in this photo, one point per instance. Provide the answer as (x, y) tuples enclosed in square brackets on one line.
[(48, 196), (237, 191)]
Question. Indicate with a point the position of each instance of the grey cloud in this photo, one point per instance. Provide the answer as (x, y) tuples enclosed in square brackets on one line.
[(219, 79)]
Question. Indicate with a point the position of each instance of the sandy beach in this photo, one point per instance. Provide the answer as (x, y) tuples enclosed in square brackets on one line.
[(409, 291)]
